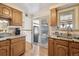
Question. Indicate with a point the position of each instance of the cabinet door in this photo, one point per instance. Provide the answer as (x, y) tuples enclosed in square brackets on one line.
[(74, 52), (53, 21), (60, 50), (74, 48), (4, 51), (18, 48), (0, 8), (17, 18), (7, 11), (50, 47)]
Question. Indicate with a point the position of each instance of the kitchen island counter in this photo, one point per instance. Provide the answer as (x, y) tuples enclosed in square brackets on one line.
[(60, 46), (11, 37), (12, 45), (62, 38)]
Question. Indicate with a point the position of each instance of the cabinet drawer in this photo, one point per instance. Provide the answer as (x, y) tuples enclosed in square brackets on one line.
[(74, 45), (17, 39), (4, 43), (61, 42)]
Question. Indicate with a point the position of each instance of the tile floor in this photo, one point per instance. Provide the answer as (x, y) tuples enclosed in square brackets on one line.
[(36, 50)]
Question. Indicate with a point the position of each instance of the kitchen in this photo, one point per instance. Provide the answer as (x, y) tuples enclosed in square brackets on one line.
[(64, 25), (47, 29), (16, 31), (10, 37)]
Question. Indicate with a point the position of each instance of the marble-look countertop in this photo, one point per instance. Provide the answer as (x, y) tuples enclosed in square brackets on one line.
[(11, 37), (61, 38)]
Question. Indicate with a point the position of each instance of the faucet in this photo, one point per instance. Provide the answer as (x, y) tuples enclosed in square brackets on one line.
[(57, 31), (69, 29)]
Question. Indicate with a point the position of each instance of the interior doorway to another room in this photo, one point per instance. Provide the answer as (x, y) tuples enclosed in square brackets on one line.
[(40, 31)]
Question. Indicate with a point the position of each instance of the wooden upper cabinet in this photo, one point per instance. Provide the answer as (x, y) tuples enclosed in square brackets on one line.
[(17, 18), (53, 18), (0, 8), (5, 10), (13, 14)]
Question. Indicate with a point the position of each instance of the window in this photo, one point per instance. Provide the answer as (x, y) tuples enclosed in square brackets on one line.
[(66, 19)]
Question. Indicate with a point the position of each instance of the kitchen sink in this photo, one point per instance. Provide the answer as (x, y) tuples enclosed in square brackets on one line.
[(1, 36), (5, 35), (76, 37)]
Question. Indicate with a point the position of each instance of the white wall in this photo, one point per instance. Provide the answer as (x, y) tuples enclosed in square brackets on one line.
[(26, 22), (27, 30)]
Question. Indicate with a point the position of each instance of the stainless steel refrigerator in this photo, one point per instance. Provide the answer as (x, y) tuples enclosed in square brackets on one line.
[(40, 32), (44, 32), (36, 33)]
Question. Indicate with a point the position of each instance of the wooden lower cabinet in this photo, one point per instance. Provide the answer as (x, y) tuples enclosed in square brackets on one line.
[(50, 47), (74, 52), (12, 47), (4, 48), (74, 48), (4, 51), (17, 46), (60, 48), (17, 49)]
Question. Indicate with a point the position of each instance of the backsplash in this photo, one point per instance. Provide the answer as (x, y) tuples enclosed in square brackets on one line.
[(3, 25), (53, 30), (10, 29)]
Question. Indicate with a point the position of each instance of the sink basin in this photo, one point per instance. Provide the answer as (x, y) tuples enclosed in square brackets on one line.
[(1, 36), (5, 35), (76, 37)]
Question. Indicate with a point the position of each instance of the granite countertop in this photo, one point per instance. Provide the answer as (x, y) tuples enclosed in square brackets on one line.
[(61, 38), (11, 37)]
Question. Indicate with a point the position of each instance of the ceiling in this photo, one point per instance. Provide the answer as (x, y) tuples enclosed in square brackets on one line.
[(35, 9), (31, 8)]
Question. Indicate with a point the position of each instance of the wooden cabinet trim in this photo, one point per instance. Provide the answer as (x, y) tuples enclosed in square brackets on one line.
[(5, 9), (61, 42)]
